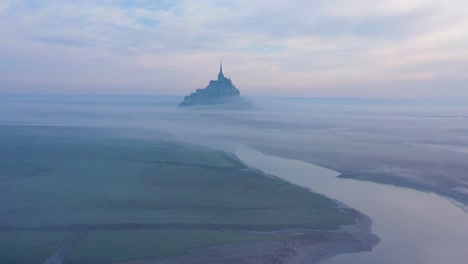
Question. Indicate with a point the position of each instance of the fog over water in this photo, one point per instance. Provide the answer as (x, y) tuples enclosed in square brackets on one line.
[(422, 143), (426, 141), (418, 144)]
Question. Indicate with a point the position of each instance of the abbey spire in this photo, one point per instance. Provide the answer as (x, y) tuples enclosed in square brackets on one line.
[(220, 74)]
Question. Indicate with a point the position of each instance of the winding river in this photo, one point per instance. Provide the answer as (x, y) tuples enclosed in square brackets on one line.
[(414, 227)]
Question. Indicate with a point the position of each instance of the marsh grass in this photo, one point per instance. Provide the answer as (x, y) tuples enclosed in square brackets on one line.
[(109, 246), (54, 176), (26, 247)]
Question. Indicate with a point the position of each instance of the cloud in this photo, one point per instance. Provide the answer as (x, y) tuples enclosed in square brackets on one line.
[(290, 47)]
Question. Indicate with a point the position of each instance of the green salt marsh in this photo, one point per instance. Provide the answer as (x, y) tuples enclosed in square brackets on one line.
[(55, 180)]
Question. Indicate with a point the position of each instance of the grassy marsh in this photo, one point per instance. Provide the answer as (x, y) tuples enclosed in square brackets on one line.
[(57, 179)]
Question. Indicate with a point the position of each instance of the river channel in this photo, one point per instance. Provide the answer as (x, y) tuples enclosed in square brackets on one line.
[(414, 227)]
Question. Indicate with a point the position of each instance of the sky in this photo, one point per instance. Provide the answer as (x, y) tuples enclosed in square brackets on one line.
[(313, 48)]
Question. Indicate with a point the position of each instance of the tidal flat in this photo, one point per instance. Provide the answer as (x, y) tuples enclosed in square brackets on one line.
[(110, 196)]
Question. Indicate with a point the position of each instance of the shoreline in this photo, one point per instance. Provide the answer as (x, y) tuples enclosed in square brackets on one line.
[(314, 246), (396, 213), (458, 199), (360, 231), (378, 175)]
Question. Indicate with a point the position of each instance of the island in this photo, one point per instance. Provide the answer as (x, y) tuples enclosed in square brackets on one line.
[(220, 91)]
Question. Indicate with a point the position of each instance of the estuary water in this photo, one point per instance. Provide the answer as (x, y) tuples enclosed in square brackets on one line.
[(414, 227)]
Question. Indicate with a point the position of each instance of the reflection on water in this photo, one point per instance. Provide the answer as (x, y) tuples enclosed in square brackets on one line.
[(414, 227)]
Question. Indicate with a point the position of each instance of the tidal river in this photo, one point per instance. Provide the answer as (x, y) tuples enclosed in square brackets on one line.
[(414, 227)]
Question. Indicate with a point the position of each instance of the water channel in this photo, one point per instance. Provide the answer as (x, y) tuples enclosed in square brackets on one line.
[(414, 227)]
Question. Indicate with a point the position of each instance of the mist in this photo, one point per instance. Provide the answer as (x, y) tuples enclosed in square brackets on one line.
[(420, 144), (373, 143)]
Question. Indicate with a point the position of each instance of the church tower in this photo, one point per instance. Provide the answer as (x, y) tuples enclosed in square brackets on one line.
[(220, 74)]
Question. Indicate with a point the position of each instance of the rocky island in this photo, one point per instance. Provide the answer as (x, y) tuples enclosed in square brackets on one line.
[(220, 91)]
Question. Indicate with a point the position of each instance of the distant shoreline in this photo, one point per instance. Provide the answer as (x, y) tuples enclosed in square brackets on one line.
[(457, 198)]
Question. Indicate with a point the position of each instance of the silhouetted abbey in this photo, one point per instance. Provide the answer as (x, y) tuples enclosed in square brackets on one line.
[(219, 91)]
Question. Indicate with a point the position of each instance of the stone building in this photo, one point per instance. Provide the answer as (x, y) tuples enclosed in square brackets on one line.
[(218, 91)]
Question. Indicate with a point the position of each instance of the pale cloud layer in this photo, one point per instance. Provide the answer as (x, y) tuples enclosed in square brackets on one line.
[(341, 48)]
